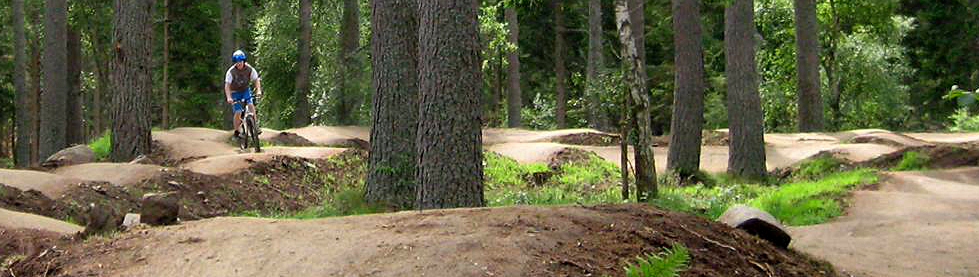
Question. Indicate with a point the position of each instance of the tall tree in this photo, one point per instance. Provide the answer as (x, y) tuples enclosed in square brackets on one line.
[(166, 64), (560, 70), (688, 95), (349, 94), (394, 51), (514, 100), (131, 79), (596, 63), (747, 145), (54, 96), (637, 17), (227, 47), (807, 65), (450, 152), (22, 153), (74, 129), (635, 77), (301, 116)]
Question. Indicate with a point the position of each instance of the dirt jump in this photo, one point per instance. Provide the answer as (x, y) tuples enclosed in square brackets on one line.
[(918, 223)]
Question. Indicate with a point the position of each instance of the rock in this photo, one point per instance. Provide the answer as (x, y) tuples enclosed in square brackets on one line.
[(101, 219), (130, 220), (287, 138), (77, 154), (756, 222), (160, 208)]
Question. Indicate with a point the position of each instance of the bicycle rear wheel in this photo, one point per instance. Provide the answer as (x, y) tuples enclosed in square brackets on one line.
[(253, 133)]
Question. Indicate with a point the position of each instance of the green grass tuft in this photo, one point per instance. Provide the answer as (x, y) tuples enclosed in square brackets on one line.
[(668, 263), (912, 160), (811, 202), (102, 145), (817, 166)]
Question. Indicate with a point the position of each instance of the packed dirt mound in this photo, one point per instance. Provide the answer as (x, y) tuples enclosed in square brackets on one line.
[(566, 136), (965, 138), (181, 147), (941, 156), (589, 138), (51, 185), (331, 135), (506, 241), (17, 220), (918, 223), (22, 251), (892, 139), (115, 173)]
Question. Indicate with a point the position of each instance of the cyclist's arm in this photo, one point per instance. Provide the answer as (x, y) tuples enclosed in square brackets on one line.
[(258, 86), (227, 91)]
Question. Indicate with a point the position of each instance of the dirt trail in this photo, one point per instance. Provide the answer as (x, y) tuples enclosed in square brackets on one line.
[(14, 220), (919, 223)]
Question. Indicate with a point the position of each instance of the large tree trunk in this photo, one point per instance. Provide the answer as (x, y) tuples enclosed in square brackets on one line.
[(55, 94), (514, 100), (646, 188), (301, 117), (166, 64), (450, 152), (35, 100), (131, 79), (807, 64), (74, 127), (596, 63), (638, 19), (747, 145), (560, 71), (349, 92), (227, 48), (394, 51), (832, 70), (22, 152), (688, 95)]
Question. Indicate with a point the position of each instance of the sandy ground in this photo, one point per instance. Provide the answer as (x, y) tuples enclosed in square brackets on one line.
[(115, 173), (51, 185), (919, 223), (13, 220)]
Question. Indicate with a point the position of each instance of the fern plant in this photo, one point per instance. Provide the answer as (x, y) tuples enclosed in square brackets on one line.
[(664, 264)]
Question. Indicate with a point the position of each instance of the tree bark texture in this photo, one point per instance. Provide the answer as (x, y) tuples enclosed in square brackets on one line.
[(596, 64), (348, 99), (22, 152), (227, 48), (560, 70), (514, 97), (131, 79), (745, 117), (301, 117), (637, 17), (54, 95), (688, 95), (450, 158), (645, 166), (35, 100), (74, 127), (166, 64), (807, 65), (394, 51)]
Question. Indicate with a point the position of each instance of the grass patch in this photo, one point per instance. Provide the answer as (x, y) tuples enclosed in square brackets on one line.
[(706, 200), (102, 145), (911, 160), (668, 263), (811, 202), (7, 162), (593, 180), (501, 171), (818, 166), (348, 201)]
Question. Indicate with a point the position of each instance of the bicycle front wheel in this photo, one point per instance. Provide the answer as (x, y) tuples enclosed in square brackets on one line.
[(253, 133)]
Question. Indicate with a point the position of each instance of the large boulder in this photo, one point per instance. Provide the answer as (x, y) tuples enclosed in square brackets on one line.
[(160, 208), (101, 219), (77, 154), (756, 222)]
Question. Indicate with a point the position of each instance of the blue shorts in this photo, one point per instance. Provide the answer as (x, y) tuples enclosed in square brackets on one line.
[(238, 95)]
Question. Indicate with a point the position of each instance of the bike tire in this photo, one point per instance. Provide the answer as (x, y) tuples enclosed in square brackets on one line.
[(242, 139), (253, 133)]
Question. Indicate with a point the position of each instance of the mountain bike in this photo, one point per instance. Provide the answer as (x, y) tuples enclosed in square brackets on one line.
[(248, 130)]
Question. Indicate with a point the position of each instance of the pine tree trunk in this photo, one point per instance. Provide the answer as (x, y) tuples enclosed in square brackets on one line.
[(301, 117), (347, 101), (745, 116), (227, 48), (74, 128), (560, 70), (166, 64), (450, 152), (514, 100), (131, 79), (688, 96), (35, 100), (596, 63), (807, 64), (55, 94), (22, 152), (645, 165), (394, 51)]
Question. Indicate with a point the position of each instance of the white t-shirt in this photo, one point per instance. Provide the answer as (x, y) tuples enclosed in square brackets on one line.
[(227, 76)]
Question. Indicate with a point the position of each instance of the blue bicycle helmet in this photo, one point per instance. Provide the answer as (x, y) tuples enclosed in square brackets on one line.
[(238, 56)]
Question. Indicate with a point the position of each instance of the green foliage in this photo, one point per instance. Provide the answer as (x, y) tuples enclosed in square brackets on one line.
[(593, 173), (590, 181), (102, 145), (501, 171), (817, 166), (668, 263), (708, 201), (912, 160), (964, 121), (811, 202)]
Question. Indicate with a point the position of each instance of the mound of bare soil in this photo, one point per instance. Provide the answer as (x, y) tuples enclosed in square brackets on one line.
[(25, 252), (589, 138), (940, 156), (570, 240)]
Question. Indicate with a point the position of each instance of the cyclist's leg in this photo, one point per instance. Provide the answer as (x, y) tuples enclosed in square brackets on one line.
[(237, 108), (255, 116)]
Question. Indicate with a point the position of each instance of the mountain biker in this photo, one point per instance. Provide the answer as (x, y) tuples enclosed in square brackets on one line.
[(237, 86)]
